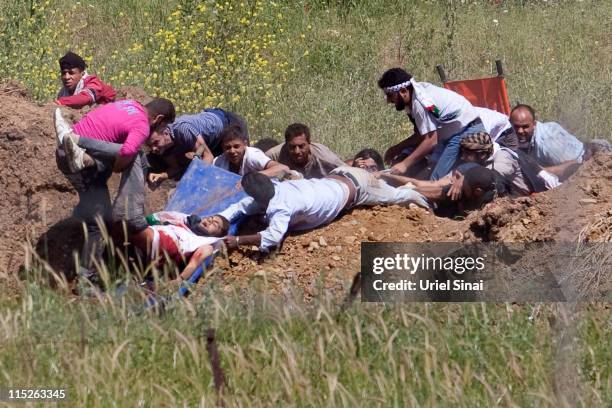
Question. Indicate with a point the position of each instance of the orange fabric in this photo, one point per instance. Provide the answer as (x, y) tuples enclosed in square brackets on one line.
[(486, 92)]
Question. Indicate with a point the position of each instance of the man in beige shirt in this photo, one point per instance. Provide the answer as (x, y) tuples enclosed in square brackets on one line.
[(312, 160)]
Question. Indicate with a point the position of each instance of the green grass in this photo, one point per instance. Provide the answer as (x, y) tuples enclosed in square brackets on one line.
[(286, 354)]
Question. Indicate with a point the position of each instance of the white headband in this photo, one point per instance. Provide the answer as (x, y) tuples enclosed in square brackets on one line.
[(397, 87)]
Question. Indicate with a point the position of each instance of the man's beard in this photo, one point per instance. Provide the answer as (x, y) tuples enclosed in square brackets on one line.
[(400, 105)]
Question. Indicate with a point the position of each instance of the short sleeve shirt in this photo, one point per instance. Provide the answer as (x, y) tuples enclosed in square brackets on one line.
[(254, 160), (186, 129), (454, 112), (124, 122)]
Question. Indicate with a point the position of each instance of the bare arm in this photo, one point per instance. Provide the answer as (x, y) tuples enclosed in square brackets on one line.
[(202, 150), (275, 169), (396, 150), (424, 148), (197, 258), (233, 242)]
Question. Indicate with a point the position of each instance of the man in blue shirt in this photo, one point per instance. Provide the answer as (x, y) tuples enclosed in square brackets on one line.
[(547, 142), (190, 136)]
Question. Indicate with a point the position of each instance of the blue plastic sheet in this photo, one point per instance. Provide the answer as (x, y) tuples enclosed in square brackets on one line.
[(206, 190)]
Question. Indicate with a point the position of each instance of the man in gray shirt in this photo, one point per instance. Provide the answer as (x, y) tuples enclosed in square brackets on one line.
[(312, 160)]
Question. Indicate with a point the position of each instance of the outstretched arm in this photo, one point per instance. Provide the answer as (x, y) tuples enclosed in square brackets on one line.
[(429, 142), (197, 258), (202, 151), (275, 169)]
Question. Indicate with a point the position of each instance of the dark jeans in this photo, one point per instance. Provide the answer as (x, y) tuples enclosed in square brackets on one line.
[(95, 208)]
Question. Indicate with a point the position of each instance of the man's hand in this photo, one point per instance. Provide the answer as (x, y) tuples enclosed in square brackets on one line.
[(399, 169), (157, 178), (456, 186), (231, 242)]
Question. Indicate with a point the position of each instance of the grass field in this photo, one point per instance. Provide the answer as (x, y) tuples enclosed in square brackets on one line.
[(286, 354), (316, 62)]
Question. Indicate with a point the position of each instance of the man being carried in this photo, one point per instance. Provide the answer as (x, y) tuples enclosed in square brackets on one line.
[(242, 159), (312, 160), (304, 204), (186, 240), (188, 137), (79, 88), (442, 117), (108, 139)]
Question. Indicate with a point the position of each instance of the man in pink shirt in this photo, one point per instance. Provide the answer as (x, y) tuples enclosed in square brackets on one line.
[(107, 140)]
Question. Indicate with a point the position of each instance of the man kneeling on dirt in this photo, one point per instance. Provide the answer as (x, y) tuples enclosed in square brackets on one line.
[(80, 88), (522, 175), (181, 238), (305, 204), (108, 140), (189, 137)]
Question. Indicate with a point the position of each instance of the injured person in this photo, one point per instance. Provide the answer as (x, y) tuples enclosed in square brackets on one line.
[(186, 240), (305, 204)]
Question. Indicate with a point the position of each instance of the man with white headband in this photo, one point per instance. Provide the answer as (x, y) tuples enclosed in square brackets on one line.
[(442, 119)]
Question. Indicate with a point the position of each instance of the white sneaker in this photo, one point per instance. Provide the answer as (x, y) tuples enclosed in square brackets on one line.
[(62, 128), (74, 154)]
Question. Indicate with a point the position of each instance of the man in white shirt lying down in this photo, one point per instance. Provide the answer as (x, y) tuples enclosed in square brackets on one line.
[(305, 204)]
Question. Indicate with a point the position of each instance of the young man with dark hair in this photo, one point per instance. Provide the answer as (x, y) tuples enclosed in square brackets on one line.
[(369, 160), (107, 140), (312, 160), (304, 204), (80, 88), (191, 136), (441, 117), (242, 159)]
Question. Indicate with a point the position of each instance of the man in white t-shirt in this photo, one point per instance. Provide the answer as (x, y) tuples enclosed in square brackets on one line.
[(242, 159), (308, 203), (441, 117), (498, 126)]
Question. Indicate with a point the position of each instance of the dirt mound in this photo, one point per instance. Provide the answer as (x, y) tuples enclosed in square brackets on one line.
[(557, 215), (328, 257), (38, 203), (37, 199), (133, 92)]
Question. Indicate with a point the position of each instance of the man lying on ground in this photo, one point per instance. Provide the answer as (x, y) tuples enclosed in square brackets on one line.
[(305, 204), (241, 159), (80, 88), (312, 160), (181, 238), (553, 147), (369, 160), (104, 141), (188, 137), (442, 117)]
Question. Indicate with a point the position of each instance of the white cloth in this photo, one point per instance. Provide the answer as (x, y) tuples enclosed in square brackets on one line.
[(493, 121), (296, 205), (177, 241), (552, 145), (254, 160), (435, 108)]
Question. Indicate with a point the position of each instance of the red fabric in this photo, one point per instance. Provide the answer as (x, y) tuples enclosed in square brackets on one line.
[(486, 92), (94, 91), (168, 246)]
